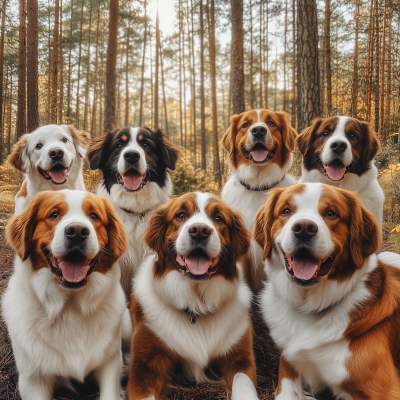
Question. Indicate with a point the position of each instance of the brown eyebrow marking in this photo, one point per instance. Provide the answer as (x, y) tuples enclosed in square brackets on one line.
[(140, 137), (124, 138)]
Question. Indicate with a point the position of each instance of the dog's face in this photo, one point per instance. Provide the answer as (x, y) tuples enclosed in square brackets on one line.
[(316, 232), (259, 138), (338, 145), (132, 157), (71, 232), (199, 235), (51, 151)]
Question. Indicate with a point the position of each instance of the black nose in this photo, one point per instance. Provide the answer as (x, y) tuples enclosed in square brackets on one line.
[(304, 229), (199, 232), (338, 147), (56, 154), (76, 233), (259, 131), (131, 157)]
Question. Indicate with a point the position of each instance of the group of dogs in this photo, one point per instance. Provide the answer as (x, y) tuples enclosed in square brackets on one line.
[(189, 267)]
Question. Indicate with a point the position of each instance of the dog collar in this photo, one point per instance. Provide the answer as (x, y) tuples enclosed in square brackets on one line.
[(141, 215), (192, 315), (261, 188)]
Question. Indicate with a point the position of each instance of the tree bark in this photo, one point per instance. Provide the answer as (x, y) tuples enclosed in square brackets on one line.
[(3, 18), (95, 95), (261, 54), (328, 57), (355, 68), (69, 63), (382, 72), (55, 65), (284, 58), (308, 90), (194, 88), (50, 69), (163, 88), (267, 58), (377, 62), (85, 115), (180, 74), (251, 57), (156, 80), (61, 69), (21, 115), (79, 69), (126, 122), (294, 66), (370, 65), (202, 100), (143, 60)]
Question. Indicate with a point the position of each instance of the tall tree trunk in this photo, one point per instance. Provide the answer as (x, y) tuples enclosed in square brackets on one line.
[(143, 61), (323, 84), (190, 75), (355, 68), (284, 58), (69, 63), (276, 75), (9, 113), (237, 63), (126, 122), (202, 100), (389, 70), (85, 115), (21, 115), (194, 88), (184, 81), (369, 69), (267, 57), (251, 57), (308, 92), (261, 54), (50, 69), (95, 96), (55, 65), (382, 72), (101, 120), (294, 65), (156, 85), (180, 74), (109, 108), (79, 69), (61, 69), (376, 61), (3, 18), (163, 88), (32, 66), (328, 57)]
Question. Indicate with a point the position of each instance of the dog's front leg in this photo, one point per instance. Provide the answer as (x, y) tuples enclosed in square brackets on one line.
[(289, 384), (109, 377), (35, 387)]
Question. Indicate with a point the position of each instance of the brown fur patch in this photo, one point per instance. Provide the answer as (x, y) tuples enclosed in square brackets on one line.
[(286, 371), (15, 159), (80, 138), (23, 192)]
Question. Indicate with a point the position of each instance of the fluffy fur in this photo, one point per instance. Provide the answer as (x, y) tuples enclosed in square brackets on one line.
[(335, 325), (65, 326), (50, 152), (125, 156), (190, 307), (239, 141)]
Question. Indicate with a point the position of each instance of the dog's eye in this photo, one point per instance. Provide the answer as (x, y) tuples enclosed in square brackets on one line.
[(181, 216), (325, 133), (353, 136), (270, 123), (245, 125), (286, 211), (54, 215), (218, 220), (39, 146), (119, 145), (330, 214), (64, 140), (94, 216), (146, 146)]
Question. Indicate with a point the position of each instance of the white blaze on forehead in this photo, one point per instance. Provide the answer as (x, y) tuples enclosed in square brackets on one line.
[(259, 115), (134, 133), (74, 200), (307, 201), (340, 127), (202, 200)]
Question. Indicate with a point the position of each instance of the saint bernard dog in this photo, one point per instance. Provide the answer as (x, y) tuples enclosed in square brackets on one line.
[(134, 163), (340, 151), (190, 303), (51, 158), (260, 145), (64, 305), (332, 305)]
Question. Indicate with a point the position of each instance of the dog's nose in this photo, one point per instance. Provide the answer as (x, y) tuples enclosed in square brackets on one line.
[(56, 154), (131, 157), (259, 131), (304, 229), (200, 232), (338, 146), (77, 233)]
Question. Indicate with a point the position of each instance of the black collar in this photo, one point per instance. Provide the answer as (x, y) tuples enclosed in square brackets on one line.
[(192, 315), (262, 188), (141, 215)]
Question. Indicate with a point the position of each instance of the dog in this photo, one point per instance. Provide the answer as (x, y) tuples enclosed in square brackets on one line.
[(64, 305), (51, 158), (134, 163), (340, 151), (332, 305), (260, 145), (190, 303)]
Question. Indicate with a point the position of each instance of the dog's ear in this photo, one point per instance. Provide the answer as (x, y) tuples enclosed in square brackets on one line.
[(264, 221), (371, 145), (154, 235), (20, 229), (99, 150), (241, 237), (169, 152), (19, 157), (289, 134), (305, 139), (229, 139), (80, 139)]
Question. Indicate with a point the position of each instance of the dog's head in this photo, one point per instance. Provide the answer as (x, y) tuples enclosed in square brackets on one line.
[(338, 145), (50, 152), (73, 233), (259, 138), (131, 158), (316, 233), (198, 234)]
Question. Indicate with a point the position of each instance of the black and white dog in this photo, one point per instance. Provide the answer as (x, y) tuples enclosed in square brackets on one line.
[(134, 163)]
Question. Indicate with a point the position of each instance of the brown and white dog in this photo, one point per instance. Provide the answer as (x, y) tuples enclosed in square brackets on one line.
[(51, 158), (190, 308), (260, 145), (332, 305), (340, 151), (64, 305)]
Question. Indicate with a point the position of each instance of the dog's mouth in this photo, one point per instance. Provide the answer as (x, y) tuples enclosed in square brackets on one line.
[(57, 175), (197, 265), (335, 170), (133, 180), (259, 154), (72, 271), (305, 269)]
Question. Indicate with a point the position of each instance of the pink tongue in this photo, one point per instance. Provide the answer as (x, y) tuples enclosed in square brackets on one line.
[(335, 173), (198, 265), (259, 154), (304, 269), (132, 181), (74, 271), (59, 175)]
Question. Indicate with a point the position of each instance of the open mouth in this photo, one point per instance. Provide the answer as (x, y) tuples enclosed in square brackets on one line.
[(259, 154), (72, 273), (57, 175), (133, 181), (335, 170), (197, 265), (305, 269)]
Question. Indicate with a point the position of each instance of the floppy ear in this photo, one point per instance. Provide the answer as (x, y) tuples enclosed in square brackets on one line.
[(240, 237), (371, 145), (289, 134), (98, 150), (229, 138), (20, 229), (365, 234), (19, 157), (154, 235), (81, 140), (264, 220), (305, 138), (169, 152)]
